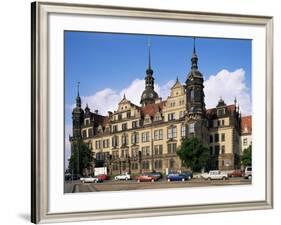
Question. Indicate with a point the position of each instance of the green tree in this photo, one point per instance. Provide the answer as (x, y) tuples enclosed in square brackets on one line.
[(246, 158), (194, 154), (85, 157)]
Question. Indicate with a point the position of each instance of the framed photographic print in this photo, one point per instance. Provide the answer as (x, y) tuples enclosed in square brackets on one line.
[(132, 104)]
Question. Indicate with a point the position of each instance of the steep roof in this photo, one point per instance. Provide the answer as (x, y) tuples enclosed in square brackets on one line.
[(246, 125), (152, 109), (229, 108)]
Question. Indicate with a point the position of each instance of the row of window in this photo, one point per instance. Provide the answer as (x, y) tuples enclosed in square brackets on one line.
[(216, 138), (217, 150), (145, 151), (145, 137), (158, 164)]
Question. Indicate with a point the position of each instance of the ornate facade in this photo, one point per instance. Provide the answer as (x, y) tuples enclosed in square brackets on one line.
[(145, 138)]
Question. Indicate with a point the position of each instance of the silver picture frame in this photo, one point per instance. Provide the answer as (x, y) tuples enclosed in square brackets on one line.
[(40, 102)]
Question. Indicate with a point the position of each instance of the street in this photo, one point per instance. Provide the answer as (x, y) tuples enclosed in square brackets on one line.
[(112, 185)]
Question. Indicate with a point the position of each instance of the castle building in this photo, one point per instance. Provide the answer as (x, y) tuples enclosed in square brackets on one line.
[(145, 138)]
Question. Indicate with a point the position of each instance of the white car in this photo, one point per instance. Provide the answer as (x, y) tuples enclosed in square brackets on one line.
[(124, 176), (248, 172), (215, 175), (89, 180)]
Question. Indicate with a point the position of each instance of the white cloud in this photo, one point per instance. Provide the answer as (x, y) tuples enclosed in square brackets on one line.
[(228, 85), (108, 99)]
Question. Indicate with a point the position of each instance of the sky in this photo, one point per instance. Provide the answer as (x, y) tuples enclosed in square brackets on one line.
[(109, 65)]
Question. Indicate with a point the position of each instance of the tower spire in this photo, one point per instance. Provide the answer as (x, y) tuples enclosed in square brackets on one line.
[(78, 83), (194, 58), (149, 70), (78, 99)]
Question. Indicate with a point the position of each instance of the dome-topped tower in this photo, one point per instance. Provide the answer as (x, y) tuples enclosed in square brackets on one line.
[(77, 116), (149, 95), (194, 87)]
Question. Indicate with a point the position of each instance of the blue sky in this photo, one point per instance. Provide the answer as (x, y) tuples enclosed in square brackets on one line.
[(108, 65)]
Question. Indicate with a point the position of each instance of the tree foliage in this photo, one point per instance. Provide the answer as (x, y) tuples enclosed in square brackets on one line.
[(246, 158), (85, 157), (194, 154)]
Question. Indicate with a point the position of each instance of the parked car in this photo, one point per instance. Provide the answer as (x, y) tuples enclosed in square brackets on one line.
[(145, 178), (90, 180), (235, 173), (124, 176), (215, 175), (103, 177), (188, 174), (155, 175), (178, 177), (67, 176), (248, 172)]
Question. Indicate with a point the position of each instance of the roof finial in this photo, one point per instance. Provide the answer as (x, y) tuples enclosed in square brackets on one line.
[(149, 57), (194, 58), (78, 83), (194, 50), (149, 71), (124, 96)]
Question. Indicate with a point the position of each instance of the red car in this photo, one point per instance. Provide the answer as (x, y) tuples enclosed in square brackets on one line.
[(102, 177), (145, 178), (236, 173)]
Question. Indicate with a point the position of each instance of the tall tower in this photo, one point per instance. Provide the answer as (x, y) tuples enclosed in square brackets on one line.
[(196, 120), (77, 116), (149, 95)]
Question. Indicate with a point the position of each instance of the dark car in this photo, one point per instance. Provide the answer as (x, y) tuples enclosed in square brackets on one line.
[(178, 177), (188, 174), (156, 175)]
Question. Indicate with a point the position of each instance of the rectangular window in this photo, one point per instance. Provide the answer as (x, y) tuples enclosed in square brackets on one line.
[(158, 164), (145, 165), (145, 151), (217, 150), (134, 124), (115, 154), (90, 132), (172, 148), (115, 128), (183, 129), (219, 123), (119, 116), (158, 149), (125, 140), (181, 114), (135, 138), (222, 122), (135, 152), (222, 137), (172, 132), (158, 134), (124, 126), (171, 116), (216, 137), (145, 136), (115, 141), (222, 149), (128, 114), (211, 138), (84, 134), (245, 141)]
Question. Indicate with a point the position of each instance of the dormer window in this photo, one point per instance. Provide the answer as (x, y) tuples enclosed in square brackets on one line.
[(221, 112), (157, 116)]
